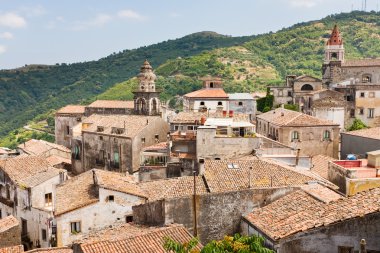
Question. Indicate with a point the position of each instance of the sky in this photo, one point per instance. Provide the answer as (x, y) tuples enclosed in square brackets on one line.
[(68, 31)]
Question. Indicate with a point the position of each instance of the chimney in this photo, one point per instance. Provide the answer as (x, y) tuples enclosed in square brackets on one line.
[(374, 159)]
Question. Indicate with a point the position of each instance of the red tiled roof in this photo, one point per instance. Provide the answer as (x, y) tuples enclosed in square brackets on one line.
[(112, 104), (301, 211), (72, 109), (361, 63), (13, 249), (8, 223), (320, 165), (147, 243), (38, 147), (158, 146), (372, 133), (52, 250), (207, 93)]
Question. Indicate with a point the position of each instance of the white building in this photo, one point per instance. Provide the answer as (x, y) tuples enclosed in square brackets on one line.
[(26, 192), (93, 200)]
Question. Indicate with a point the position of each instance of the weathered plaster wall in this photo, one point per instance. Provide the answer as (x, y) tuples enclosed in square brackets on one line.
[(10, 237)]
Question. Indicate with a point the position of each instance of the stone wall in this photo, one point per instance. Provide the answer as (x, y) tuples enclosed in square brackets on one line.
[(10, 237), (218, 214), (63, 128)]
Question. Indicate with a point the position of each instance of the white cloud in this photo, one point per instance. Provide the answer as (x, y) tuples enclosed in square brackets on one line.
[(12, 20), (3, 49), (130, 14), (99, 21), (304, 3), (6, 35)]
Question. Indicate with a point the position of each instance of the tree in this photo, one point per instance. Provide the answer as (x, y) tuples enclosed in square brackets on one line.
[(230, 244), (357, 125)]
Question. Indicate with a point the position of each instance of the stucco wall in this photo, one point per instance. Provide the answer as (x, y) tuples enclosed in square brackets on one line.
[(61, 122), (357, 145), (10, 237)]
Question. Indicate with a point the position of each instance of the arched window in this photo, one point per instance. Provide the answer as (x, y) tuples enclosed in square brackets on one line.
[(334, 56), (307, 87), (326, 135), (220, 103), (202, 103), (367, 78), (295, 136)]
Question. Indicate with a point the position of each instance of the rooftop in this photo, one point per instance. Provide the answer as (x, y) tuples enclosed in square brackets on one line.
[(149, 242), (230, 175), (361, 63), (8, 223), (301, 211), (208, 93), (13, 249), (284, 117), (129, 125), (29, 171), (158, 146), (329, 102), (39, 147), (320, 165), (195, 117), (112, 104), (72, 109), (81, 190), (372, 133), (227, 122), (240, 96), (52, 250)]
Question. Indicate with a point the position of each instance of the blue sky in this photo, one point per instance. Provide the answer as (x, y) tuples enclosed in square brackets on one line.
[(51, 31)]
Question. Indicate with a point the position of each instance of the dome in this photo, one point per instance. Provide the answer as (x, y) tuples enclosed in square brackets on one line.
[(146, 72)]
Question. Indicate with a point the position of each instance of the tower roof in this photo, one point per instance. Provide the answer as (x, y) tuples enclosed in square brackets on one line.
[(335, 38), (146, 72)]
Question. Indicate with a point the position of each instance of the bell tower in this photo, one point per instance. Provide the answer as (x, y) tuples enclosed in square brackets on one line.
[(146, 98), (334, 57)]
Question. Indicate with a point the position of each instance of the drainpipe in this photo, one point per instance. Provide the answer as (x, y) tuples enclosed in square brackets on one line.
[(297, 157)]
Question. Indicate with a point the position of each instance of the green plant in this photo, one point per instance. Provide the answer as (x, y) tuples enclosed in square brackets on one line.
[(357, 125)]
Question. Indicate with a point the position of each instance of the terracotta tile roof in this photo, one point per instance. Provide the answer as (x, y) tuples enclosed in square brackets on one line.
[(320, 165), (195, 117), (8, 223), (329, 102), (158, 146), (372, 133), (13, 249), (300, 211), (52, 250), (54, 160), (39, 147), (80, 191), (173, 187), (207, 93), (284, 117), (133, 124), (361, 63), (29, 171), (230, 175), (112, 104), (147, 243), (71, 109)]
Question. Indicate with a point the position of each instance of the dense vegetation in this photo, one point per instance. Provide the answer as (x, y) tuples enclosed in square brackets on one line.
[(245, 63)]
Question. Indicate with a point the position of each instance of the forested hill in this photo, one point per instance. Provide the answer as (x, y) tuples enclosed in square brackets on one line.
[(245, 63), (34, 89)]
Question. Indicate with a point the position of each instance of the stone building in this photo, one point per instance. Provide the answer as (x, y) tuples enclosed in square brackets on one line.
[(242, 103), (109, 107), (311, 135), (26, 192), (316, 219), (330, 108), (93, 200), (10, 233), (65, 119), (114, 142), (360, 142), (210, 98)]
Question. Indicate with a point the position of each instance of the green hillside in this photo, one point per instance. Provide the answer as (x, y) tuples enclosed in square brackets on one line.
[(245, 63)]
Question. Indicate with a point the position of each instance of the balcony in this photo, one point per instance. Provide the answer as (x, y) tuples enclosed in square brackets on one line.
[(184, 136)]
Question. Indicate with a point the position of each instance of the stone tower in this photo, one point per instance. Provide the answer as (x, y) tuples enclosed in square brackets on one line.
[(334, 57), (146, 98)]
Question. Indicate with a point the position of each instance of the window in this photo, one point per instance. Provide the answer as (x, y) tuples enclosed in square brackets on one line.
[(100, 129), (220, 103), (142, 140), (366, 78), (76, 153), (190, 127), (361, 111), (8, 192), (100, 158), (75, 227), (1, 214), (156, 136), (116, 130), (289, 93), (100, 138), (44, 234), (371, 94), (362, 94), (240, 103), (352, 113), (295, 136), (202, 103), (111, 198), (326, 135), (371, 112), (307, 87), (128, 218), (67, 129), (48, 199)]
